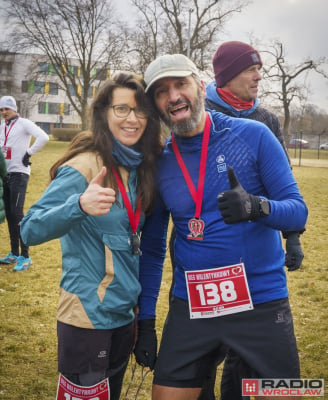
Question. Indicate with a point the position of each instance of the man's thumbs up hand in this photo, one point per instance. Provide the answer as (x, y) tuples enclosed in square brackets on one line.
[(97, 200), (236, 205), (233, 180)]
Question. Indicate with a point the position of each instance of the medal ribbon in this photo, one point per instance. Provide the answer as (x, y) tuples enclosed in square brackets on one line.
[(7, 134), (196, 195), (134, 217)]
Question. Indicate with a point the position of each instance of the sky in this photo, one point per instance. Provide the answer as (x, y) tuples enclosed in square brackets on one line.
[(302, 27)]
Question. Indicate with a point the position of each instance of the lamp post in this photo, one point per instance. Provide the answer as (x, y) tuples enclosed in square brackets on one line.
[(189, 28), (319, 137)]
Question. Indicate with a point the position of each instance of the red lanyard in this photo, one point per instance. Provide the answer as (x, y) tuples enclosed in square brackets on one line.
[(7, 134), (134, 217), (196, 195)]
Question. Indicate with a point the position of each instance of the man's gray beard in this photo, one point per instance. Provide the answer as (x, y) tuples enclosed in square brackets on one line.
[(183, 127)]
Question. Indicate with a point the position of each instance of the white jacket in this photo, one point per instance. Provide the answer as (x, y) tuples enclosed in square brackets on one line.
[(18, 139)]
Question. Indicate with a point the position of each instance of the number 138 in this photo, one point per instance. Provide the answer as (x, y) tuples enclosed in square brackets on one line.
[(209, 292)]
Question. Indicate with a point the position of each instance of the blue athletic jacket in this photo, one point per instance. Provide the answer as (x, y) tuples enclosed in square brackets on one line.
[(99, 285), (263, 170)]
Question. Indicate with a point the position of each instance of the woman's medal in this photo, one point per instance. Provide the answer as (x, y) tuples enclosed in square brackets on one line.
[(134, 217)]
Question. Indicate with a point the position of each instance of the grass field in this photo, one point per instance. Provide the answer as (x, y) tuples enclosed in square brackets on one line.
[(28, 300)]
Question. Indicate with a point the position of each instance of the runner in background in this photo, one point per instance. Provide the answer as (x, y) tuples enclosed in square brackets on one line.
[(15, 137)]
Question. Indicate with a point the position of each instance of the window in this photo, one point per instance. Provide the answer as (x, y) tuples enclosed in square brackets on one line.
[(5, 67), (43, 68), (53, 108), (43, 107), (28, 86), (71, 90), (101, 73), (38, 87), (5, 86), (53, 88), (74, 70)]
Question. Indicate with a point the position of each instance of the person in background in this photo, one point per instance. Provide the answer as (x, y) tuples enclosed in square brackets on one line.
[(3, 176), (228, 186), (96, 203), (15, 137), (237, 70)]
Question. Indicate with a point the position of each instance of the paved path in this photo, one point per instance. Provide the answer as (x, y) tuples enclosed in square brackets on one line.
[(309, 162)]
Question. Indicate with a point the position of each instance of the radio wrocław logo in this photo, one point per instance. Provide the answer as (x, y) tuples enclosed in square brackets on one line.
[(283, 387)]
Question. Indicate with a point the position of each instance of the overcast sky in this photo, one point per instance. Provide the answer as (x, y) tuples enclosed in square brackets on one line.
[(301, 25)]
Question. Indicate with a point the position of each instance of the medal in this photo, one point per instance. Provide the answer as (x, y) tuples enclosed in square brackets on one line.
[(196, 225), (134, 217), (135, 244), (7, 150)]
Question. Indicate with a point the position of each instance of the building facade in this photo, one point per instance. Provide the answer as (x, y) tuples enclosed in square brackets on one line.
[(38, 91)]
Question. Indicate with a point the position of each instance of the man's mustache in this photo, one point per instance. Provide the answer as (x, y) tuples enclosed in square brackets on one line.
[(177, 103)]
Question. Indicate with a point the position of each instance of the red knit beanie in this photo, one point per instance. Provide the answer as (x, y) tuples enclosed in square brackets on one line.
[(231, 58)]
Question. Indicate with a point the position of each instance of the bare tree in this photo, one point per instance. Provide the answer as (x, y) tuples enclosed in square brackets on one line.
[(309, 119), (79, 33), (286, 77), (189, 27)]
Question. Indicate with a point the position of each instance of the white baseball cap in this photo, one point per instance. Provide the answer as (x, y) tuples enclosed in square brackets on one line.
[(169, 65), (8, 102)]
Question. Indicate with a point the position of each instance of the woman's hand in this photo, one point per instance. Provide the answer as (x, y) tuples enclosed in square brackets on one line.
[(97, 200)]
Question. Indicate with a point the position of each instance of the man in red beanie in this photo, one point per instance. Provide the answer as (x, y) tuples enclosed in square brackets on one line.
[(234, 92)]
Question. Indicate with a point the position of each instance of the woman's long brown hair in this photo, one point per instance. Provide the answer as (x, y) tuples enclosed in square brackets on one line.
[(99, 138)]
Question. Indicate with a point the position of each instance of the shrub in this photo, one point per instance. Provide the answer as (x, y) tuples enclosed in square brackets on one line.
[(64, 134)]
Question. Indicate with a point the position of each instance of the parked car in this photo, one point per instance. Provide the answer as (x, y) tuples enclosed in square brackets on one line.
[(324, 146), (298, 143)]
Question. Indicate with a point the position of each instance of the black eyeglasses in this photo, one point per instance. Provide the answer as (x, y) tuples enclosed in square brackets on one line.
[(123, 110)]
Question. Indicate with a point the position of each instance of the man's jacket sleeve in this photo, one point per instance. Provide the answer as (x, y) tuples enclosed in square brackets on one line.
[(153, 247)]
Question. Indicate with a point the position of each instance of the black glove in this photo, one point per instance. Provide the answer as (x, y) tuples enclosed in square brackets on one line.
[(146, 347), (294, 252), (237, 205), (26, 160)]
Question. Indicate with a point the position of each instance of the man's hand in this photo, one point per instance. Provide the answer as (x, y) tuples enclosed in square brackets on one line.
[(294, 252), (26, 160), (145, 349), (236, 205), (97, 200)]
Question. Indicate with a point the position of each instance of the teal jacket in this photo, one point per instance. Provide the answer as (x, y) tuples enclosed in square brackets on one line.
[(99, 285), (3, 173)]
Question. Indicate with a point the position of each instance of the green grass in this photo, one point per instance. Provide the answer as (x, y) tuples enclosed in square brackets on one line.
[(28, 300), (309, 153)]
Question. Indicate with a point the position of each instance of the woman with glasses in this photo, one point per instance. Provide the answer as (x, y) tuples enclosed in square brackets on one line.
[(96, 203)]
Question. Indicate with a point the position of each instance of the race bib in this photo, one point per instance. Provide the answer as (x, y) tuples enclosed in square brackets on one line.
[(6, 152), (217, 292), (67, 390)]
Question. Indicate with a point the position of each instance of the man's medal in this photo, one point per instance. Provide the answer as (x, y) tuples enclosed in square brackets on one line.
[(196, 225)]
